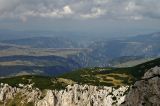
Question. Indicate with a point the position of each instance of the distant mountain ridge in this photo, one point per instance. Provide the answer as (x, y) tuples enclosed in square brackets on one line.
[(104, 51), (99, 53), (43, 42)]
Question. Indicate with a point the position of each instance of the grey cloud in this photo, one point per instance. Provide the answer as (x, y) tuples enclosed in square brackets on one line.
[(80, 9)]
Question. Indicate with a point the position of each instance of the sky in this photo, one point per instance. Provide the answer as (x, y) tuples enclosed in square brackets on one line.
[(110, 17)]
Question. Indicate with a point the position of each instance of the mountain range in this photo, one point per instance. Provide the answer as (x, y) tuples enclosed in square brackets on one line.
[(72, 54), (103, 52)]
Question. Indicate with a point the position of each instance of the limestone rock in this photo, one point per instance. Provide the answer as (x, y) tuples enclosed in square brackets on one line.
[(76, 95), (145, 92), (152, 73)]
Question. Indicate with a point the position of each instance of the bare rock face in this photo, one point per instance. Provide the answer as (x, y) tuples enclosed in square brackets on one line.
[(152, 73), (6, 92), (145, 92), (84, 95), (48, 100), (25, 93), (76, 95)]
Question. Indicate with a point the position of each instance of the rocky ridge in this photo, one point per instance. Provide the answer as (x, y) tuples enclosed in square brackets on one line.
[(144, 92), (76, 95)]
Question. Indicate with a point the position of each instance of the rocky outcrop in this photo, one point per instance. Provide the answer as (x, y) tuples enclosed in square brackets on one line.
[(145, 92), (26, 94), (79, 95), (76, 95)]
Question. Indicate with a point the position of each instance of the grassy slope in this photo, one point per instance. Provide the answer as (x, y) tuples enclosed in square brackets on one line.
[(94, 76), (40, 82)]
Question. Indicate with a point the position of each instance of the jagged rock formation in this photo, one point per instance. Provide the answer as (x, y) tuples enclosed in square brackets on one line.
[(76, 95), (22, 95), (79, 95), (145, 92)]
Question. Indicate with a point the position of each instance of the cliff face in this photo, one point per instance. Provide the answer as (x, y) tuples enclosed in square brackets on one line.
[(144, 92)]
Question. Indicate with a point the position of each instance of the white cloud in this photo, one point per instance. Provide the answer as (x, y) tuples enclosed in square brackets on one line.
[(101, 1), (95, 12), (131, 6), (51, 13), (67, 10), (83, 9)]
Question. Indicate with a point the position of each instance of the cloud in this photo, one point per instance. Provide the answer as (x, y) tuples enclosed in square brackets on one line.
[(80, 9), (95, 13), (49, 13), (67, 10)]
